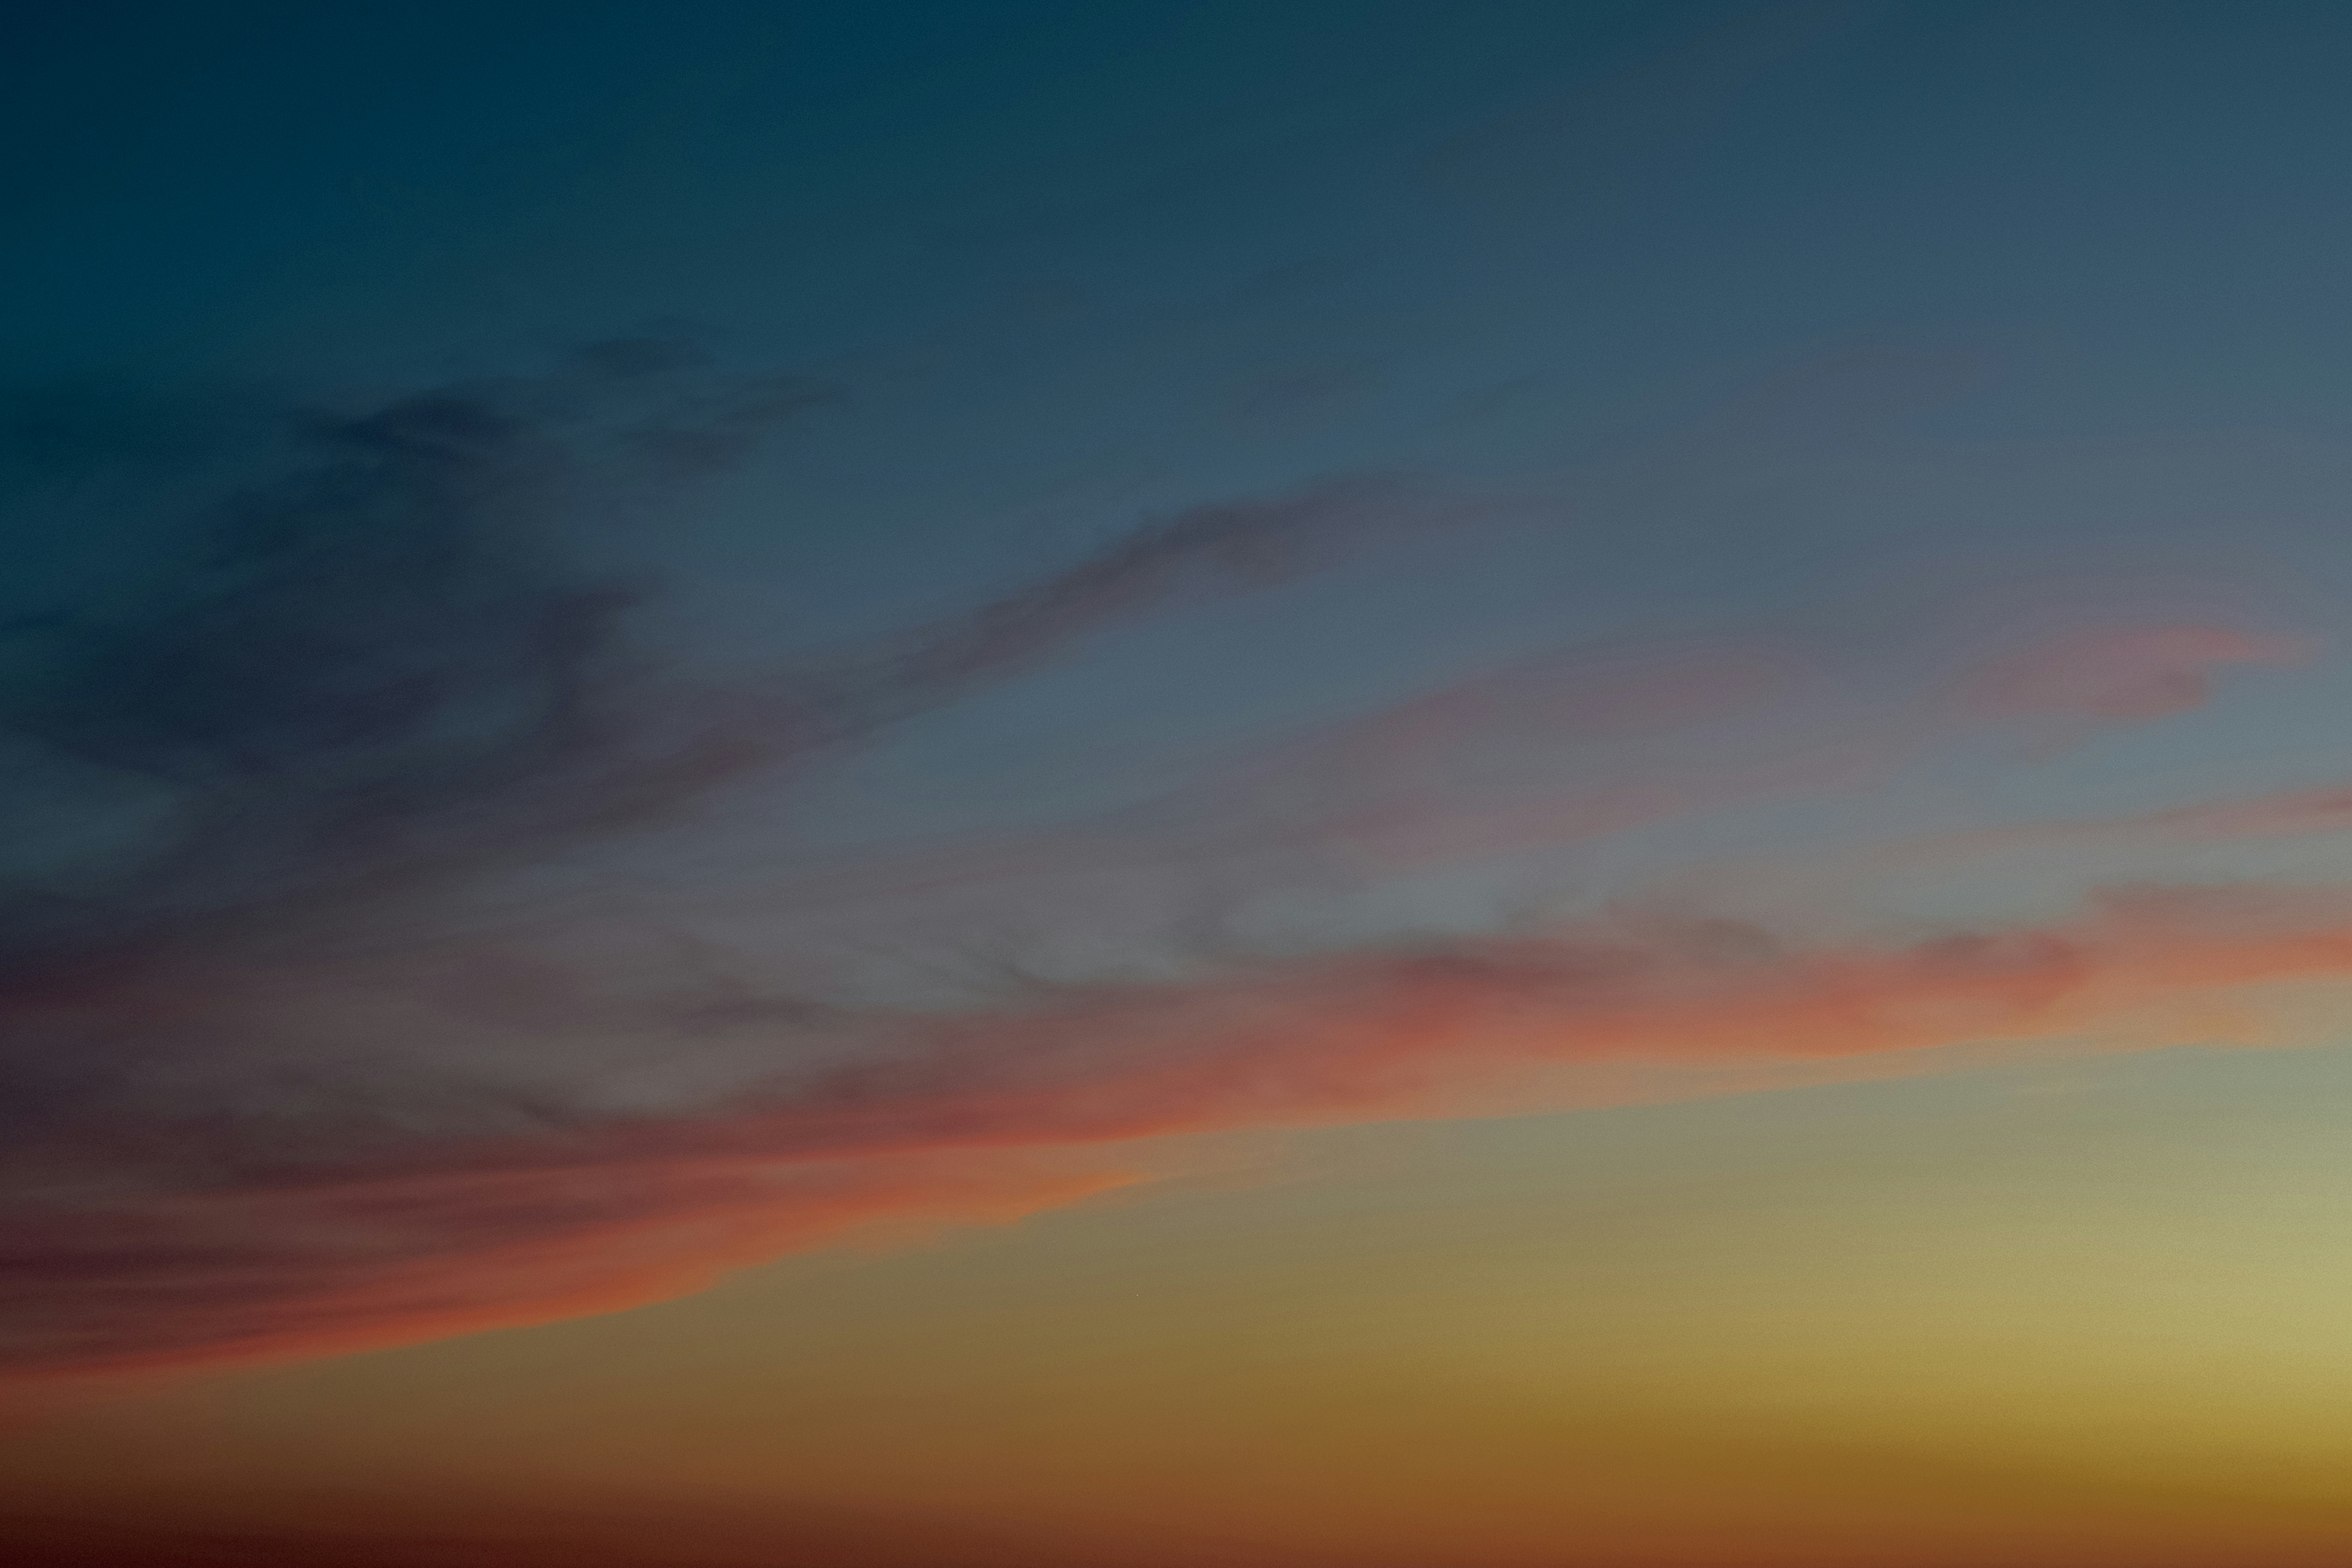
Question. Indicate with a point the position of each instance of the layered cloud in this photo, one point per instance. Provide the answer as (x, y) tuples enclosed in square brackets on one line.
[(329, 1021)]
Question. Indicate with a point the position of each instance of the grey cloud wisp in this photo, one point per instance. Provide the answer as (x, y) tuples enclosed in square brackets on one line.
[(364, 682)]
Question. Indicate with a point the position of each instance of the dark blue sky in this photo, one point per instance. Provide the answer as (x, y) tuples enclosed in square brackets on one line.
[(2140, 181), (633, 635), (1062, 267)]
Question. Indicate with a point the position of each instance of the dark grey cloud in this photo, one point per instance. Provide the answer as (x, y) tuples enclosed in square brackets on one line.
[(262, 1074), (337, 1006)]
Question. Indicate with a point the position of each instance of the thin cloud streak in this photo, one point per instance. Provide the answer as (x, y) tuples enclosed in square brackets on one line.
[(297, 1061), (329, 1220)]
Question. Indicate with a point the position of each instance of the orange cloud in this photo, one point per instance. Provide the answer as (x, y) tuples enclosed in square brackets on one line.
[(322, 1262), (185, 1232), (2122, 674), (350, 1122), (299, 1050)]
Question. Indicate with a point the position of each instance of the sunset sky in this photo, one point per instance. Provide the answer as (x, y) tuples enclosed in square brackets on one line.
[(1132, 784)]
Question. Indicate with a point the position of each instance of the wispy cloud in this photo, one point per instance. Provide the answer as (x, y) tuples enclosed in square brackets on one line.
[(293, 1067)]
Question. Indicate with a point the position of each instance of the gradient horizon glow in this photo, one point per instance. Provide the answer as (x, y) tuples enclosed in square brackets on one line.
[(1297, 785)]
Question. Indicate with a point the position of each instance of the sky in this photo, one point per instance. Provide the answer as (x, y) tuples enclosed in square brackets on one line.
[(1176, 786)]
